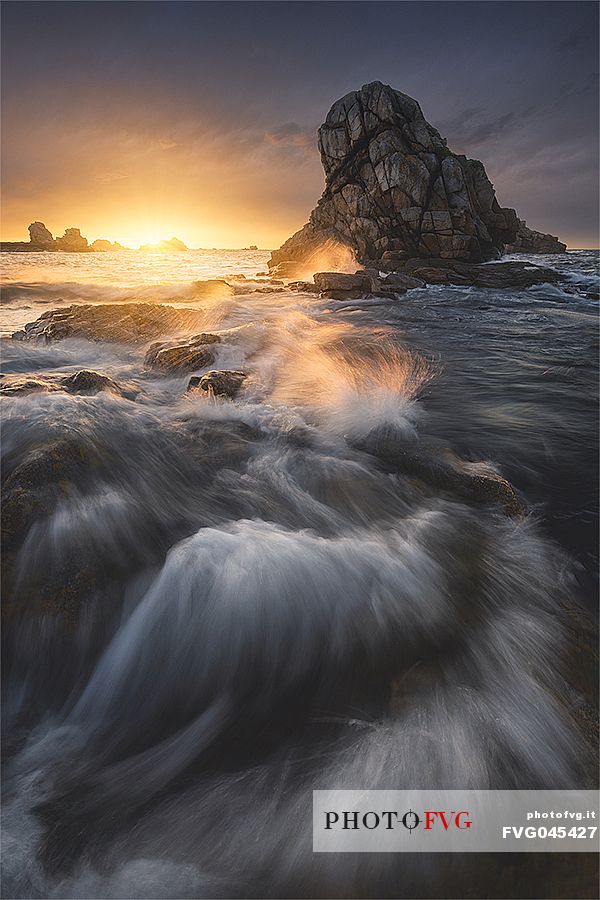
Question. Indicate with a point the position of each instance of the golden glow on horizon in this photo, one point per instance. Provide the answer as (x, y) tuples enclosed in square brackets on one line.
[(218, 228), (136, 233)]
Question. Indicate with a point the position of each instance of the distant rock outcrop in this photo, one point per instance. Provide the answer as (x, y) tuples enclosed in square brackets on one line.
[(102, 246), (72, 241), (166, 246), (530, 241), (395, 191), (40, 236)]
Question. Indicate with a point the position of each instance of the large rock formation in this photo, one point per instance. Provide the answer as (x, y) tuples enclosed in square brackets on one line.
[(530, 241), (40, 236), (395, 191)]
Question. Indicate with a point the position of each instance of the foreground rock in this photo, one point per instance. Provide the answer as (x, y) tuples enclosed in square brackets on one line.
[(506, 274), (339, 286), (86, 382), (131, 323), (175, 358), (306, 287), (394, 190), (218, 383), (418, 272), (530, 241), (442, 470), (40, 480)]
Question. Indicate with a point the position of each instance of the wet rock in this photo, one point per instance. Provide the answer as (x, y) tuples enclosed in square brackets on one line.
[(339, 286), (442, 470), (338, 281), (219, 383), (129, 323), (186, 356), (265, 290), (399, 282), (46, 475), (84, 382), (88, 382), (530, 241), (52, 597), (506, 274), (394, 189), (307, 287), (15, 385)]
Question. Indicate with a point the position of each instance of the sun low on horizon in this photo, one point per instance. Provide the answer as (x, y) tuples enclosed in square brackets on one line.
[(136, 233)]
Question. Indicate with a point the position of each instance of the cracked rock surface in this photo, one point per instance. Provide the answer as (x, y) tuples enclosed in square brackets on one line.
[(395, 191)]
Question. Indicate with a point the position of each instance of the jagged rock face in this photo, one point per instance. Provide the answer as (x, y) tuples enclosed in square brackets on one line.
[(39, 235), (72, 240), (530, 241), (394, 189)]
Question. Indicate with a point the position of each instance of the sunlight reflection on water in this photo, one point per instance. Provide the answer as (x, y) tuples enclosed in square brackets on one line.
[(130, 267)]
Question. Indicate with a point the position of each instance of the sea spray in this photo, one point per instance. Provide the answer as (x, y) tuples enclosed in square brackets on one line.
[(217, 607)]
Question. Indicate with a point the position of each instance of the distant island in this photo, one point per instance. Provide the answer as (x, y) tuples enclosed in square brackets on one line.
[(172, 244), (72, 241)]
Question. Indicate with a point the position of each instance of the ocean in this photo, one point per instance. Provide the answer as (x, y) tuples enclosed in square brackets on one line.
[(216, 606)]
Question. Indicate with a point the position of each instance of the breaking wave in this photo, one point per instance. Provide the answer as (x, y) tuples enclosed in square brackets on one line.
[(216, 607)]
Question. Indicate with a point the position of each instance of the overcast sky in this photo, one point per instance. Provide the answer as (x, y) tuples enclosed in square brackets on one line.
[(142, 120)]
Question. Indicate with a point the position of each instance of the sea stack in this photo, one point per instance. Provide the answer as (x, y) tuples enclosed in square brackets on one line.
[(40, 236), (72, 241), (395, 191)]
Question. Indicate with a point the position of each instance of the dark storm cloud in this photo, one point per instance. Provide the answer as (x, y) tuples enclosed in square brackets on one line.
[(219, 100)]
